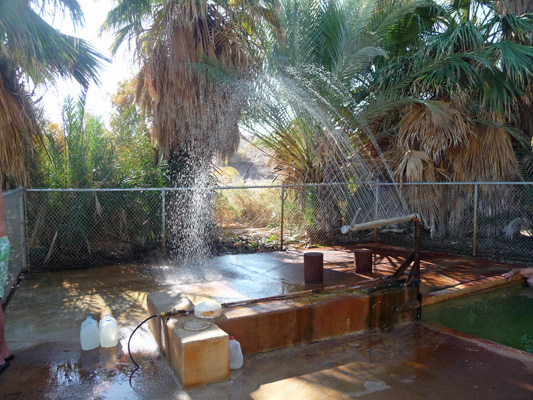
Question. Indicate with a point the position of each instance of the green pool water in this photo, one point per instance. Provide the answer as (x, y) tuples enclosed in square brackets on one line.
[(503, 315)]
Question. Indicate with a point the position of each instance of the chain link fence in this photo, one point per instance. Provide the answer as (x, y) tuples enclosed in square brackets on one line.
[(14, 218), (489, 220), (90, 227)]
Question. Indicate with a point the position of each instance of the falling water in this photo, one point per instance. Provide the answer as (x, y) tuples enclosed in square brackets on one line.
[(295, 93), (284, 97), (191, 226)]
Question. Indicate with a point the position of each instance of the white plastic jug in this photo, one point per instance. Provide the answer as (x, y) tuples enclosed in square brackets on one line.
[(108, 331), (89, 337), (235, 354)]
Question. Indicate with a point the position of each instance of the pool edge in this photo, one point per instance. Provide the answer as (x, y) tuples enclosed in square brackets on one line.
[(474, 286)]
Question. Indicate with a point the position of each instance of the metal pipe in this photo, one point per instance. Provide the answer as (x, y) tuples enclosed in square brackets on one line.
[(26, 241), (377, 282), (382, 222), (355, 216), (280, 186), (376, 207), (446, 183)]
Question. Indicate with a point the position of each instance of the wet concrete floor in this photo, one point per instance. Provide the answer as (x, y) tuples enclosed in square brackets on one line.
[(416, 360)]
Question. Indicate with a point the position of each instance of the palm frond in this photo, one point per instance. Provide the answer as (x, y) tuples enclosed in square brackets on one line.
[(41, 52), (517, 59), (469, 163), (434, 131)]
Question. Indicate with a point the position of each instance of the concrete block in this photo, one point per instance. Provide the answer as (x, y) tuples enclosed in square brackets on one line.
[(341, 316), (198, 357), (162, 302)]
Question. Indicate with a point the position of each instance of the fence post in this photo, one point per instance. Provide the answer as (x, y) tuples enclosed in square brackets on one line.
[(22, 213), (282, 209), (163, 222), (474, 243), (376, 206)]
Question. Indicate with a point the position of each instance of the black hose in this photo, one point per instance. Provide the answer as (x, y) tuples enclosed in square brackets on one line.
[(129, 340)]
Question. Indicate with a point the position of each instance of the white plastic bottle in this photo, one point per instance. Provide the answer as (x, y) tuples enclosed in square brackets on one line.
[(89, 336), (108, 331), (235, 354)]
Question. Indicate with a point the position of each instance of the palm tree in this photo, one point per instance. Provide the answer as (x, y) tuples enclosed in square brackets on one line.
[(314, 106), (34, 53), (474, 79), (195, 57), (191, 55), (436, 84), (511, 12)]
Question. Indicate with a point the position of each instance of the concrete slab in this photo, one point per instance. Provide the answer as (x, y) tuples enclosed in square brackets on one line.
[(411, 361)]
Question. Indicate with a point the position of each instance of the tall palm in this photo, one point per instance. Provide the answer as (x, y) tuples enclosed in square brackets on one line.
[(194, 57), (328, 53), (472, 74), (34, 53), (508, 11), (313, 122), (187, 49)]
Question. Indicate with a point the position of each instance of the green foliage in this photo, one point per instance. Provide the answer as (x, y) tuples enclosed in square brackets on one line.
[(36, 51), (138, 163), (81, 154), (84, 154), (359, 61)]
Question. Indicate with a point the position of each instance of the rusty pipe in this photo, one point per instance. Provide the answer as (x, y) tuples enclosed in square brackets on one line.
[(382, 222)]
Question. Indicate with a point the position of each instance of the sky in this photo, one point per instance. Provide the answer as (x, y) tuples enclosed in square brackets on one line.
[(121, 68)]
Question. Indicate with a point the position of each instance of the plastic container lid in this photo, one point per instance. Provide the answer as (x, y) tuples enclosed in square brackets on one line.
[(208, 309), (232, 338)]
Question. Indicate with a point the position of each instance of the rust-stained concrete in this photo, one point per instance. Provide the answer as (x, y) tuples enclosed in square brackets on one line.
[(203, 357), (414, 360)]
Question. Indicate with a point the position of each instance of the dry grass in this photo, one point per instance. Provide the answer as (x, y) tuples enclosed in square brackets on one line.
[(441, 145)]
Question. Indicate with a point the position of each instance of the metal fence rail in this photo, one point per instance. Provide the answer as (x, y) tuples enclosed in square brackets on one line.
[(101, 226)]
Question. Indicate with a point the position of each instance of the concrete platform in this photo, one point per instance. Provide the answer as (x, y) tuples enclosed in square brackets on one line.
[(415, 360)]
